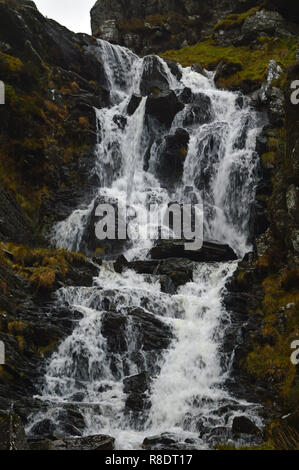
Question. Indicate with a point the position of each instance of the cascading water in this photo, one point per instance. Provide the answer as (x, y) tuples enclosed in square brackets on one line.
[(187, 379)]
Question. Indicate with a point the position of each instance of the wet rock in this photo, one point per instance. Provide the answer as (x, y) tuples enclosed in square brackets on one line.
[(243, 425), (133, 104), (151, 333), (180, 271), (167, 441), (12, 433), (159, 441), (90, 243), (120, 121), (198, 68), (174, 68), (167, 286), (171, 157), (98, 442), (45, 428), (136, 383), (210, 251), (153, 78), (163, 106), (70, 422), (114, 329), (137, 403)]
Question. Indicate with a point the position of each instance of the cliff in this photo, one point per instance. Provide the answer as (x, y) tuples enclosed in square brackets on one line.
[(154, 26)]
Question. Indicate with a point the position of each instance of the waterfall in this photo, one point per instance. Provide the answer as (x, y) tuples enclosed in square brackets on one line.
[(187, 378)]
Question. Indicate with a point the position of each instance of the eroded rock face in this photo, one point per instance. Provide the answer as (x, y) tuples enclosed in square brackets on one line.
[(262, 23), (171, 157), (12, 434), (143, 25)]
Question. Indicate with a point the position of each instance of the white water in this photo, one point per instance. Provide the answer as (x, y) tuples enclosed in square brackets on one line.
[(187, 389)]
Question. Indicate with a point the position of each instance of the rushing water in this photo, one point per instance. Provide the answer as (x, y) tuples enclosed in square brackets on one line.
[(186, 392)]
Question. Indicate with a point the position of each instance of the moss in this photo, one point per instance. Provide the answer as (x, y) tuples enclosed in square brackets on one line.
[(253, 63), (270, 358), (235, 20), (43, 279), (183, 151), (268, 158), (42, 267), (9, 65)]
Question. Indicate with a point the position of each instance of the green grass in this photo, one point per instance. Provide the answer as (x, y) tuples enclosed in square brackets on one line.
[(253, 62)]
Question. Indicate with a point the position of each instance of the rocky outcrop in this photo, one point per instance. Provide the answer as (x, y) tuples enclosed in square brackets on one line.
[(27, 329), (171, 157), (48, 128), (12, 433), (262, 23), (209, 253), (147, 26)]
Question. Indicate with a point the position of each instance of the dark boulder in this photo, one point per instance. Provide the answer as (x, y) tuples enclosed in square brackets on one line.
[(197, 115), (171, 157), (120, 121), (136, 383), (45, 428), (133, 104), (137, 403), (174, 68), (243, 425), (167, 286), (153, 78), (168, 441), (199, 108), (198, 68), (179, 270), (163, 106), (151, 333), (210, 251), (114, 330)]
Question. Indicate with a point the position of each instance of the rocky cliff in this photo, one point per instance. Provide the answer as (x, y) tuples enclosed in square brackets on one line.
[(153, 26)]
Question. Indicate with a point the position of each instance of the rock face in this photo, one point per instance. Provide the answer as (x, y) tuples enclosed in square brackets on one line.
[(143, 25), (171, 157), (153, 26), (263, 23), (12, 434), (60, 80), (209, 253)]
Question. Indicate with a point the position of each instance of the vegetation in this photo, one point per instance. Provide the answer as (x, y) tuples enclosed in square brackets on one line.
[(253, 63), (41, 267), (235, 20)]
